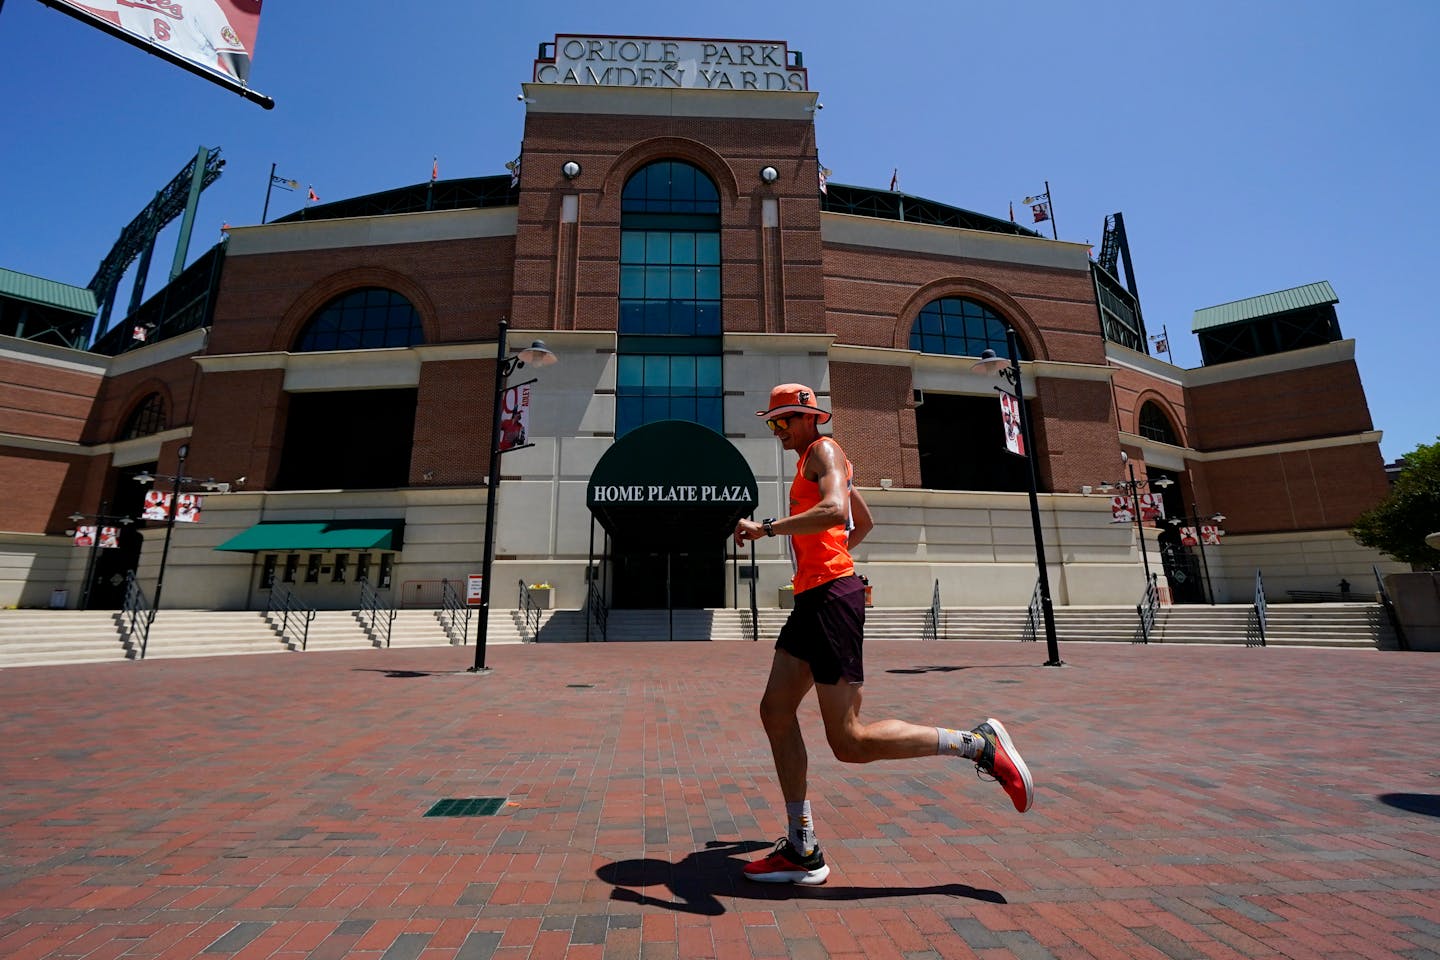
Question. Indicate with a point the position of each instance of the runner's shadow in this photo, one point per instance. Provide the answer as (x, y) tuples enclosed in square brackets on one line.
[(396, 674), (1426, 804), (698, 881)]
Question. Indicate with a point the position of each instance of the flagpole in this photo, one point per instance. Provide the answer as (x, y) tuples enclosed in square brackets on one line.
[(430, 190), (1050, 202), (270, 185)]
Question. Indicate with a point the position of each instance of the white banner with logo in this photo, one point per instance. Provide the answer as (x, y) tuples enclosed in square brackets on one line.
[(218, 35)]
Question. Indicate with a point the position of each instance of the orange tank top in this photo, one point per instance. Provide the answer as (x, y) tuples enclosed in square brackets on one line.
[(819, 557)]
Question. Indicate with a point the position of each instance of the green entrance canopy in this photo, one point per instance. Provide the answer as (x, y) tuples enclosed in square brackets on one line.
[(324, 535), (671, 482)]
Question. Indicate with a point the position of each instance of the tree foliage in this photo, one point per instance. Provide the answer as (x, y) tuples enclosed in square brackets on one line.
[(1400, 523)]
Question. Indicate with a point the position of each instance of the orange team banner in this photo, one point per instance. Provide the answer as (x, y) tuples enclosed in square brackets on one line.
[(218, 35)]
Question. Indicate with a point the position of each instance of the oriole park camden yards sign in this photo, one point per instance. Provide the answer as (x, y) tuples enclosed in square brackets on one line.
[(671, 63)]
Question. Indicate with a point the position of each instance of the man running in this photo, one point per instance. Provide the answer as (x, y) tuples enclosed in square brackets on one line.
[(820, 646)]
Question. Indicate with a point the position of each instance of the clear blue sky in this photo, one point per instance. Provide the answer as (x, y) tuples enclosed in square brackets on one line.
[(1251, 146)]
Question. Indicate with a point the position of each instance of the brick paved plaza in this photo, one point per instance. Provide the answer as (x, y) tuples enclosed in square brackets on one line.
[(1192, 802)]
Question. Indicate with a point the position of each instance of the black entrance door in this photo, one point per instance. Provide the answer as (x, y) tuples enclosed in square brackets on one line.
[(1182, 569), (684, 577)]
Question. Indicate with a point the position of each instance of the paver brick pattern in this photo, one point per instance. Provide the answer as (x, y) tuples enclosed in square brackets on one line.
[(1196, 802)]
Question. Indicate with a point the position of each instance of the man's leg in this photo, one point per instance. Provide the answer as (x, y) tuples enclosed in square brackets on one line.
[(796, 858), (789, 681), (854, 741)]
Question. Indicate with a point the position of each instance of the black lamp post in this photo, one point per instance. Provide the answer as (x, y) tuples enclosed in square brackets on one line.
[(100, 519), (1196, 521), (176, 479), (1010, 371), (537, 355), (1132, 488)]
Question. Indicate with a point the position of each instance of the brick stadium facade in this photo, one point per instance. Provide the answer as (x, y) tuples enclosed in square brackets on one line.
[(810, 291)]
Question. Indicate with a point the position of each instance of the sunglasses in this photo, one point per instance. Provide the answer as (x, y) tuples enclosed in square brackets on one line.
[(777, 424)]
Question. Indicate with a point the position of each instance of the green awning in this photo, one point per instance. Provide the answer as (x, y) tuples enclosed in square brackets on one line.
[(324, 535)]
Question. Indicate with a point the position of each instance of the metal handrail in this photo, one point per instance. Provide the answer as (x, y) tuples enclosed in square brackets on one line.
[(529, 614), (1401, 641), (1148, 606), (456, 610), (754, 607), (286, 605), (1031, 630), (932, 616), (1260, 614), (136, 610), (370, 604), (596, 611)]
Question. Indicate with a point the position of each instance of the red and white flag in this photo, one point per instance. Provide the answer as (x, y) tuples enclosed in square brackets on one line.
[(1121, 511), (1010, 420), (514, 417), (894, 178), (187, 508), (109, 537), (157, 506), (1187, 537), (313, 198), (84, 536), (434, 169), (1210, 535), (1152, 507), (1041, 214)]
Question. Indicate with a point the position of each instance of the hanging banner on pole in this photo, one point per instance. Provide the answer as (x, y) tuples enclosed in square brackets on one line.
[(1121, 511), (1010, 418), (514, 417), (1187, 537), (157, 507), (217, 35), (1210, 535), (1152, 507), (214, 39)]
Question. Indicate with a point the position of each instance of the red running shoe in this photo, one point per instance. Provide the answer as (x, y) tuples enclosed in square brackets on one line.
[(1002, 761), (785, 865)]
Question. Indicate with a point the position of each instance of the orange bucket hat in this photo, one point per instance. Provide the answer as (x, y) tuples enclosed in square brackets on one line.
[(793, 398)]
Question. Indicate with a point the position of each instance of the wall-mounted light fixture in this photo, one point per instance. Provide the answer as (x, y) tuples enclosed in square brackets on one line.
[(769, 174), (571, 169)]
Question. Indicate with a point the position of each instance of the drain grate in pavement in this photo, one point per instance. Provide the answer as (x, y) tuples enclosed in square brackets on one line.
[(580, 686), (466, 807)]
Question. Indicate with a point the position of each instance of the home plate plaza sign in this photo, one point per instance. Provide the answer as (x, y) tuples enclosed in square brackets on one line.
[(671, 482)]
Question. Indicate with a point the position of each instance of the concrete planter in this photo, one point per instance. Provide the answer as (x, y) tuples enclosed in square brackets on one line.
[(787, 599), (541, 597)]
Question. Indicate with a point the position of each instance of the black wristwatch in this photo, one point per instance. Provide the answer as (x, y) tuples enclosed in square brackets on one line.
[(769, 526)]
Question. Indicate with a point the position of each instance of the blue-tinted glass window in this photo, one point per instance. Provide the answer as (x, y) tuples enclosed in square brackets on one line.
[(960, 327), (670, 302), (670, 186), (363, 319)]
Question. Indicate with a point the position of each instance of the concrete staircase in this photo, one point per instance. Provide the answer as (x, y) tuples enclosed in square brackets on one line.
[(38, 637), (41, 637)]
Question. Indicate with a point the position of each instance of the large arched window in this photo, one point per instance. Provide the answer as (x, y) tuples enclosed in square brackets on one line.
[(668, 349), (1155, 425), (960, 327), (362, 319), (148, 417)]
